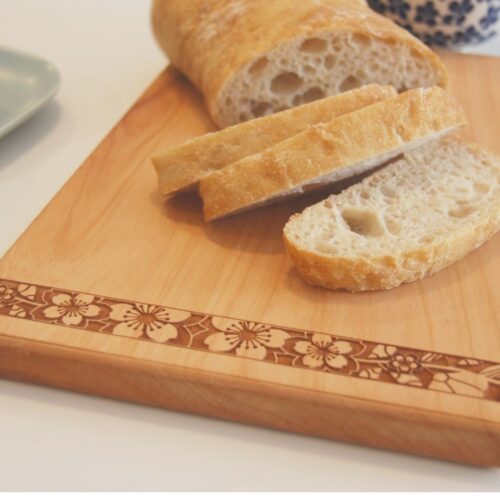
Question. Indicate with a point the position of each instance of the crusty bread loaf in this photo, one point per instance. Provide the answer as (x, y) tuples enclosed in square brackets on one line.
[(181, 167), (410, 219), (348, 145), (254, 57)]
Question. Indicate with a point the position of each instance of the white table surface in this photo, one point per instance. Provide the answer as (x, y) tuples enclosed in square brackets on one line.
[(56, 440)]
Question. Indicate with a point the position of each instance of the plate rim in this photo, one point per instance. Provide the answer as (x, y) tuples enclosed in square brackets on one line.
[(52, 90)]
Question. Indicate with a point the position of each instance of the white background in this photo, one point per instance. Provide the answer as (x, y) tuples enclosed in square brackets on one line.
[(54, 440)]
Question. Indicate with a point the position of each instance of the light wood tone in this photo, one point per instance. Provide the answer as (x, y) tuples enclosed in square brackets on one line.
[(108, 233)]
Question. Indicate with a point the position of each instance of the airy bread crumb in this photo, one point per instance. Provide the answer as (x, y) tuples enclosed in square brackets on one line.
[(408, 220)]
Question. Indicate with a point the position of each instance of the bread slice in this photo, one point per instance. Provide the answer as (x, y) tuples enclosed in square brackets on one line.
[(251, 58), (408, 220), (348, 145), (181, 167)]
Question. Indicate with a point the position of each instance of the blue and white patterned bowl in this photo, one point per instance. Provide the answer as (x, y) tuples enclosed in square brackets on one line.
[(444, 23)]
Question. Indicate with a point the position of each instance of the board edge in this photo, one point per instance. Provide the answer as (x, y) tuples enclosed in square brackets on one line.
[(304, 411)]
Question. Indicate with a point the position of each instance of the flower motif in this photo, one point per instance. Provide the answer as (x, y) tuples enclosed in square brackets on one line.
[(465, 362), (426, 14), (458, 12), (251, 340), (490, 18), (6, 294), (72, 309), (27, 291), (377, 5), (371, 372), (439, 39), (155, 322), (401, 363), (399, 7), (471, 34), (403, 367), (17, 311), (400, 366), (459, 382), (382, 351), (323, 350)]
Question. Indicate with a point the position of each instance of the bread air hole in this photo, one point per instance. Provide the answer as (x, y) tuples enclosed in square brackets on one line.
[(329, 61), (361, 75), (393, 226), (260, 108), (351, 82), (314, 45), (363, 221), (461, 212), (388, 192), (481, 188), (426, 239), (286, 83), (258, 66), (361, 41), (313, 94)]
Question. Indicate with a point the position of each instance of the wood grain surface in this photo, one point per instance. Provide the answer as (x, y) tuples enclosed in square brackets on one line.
[(114, 291)]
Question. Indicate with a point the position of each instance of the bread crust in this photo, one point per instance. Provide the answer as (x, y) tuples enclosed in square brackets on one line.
[(385, 272), (372, 131), (211, 41), (181, 167)]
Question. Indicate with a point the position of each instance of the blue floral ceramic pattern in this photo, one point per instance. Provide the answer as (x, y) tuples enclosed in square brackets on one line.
[(426, 14), (458, 12), (444, 22), (490, 18), (399, 7)]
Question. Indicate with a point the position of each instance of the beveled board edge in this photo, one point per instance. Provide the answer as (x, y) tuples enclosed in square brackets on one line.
[(373, 423), (216, 395), (278, 345)]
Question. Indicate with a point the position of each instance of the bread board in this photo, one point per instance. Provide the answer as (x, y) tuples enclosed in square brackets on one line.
[(115, 292)]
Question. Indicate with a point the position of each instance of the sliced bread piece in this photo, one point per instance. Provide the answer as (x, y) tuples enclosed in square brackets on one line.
[(348, 145), (408, 220), (181, 167), (251, 58)]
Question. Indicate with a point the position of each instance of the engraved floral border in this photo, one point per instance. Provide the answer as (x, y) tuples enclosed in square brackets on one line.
[(248, 339)]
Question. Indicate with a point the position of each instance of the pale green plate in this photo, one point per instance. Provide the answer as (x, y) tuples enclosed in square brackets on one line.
[(26, 83)]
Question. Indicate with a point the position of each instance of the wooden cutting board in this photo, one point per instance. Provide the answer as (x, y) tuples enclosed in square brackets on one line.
[(113, 291)]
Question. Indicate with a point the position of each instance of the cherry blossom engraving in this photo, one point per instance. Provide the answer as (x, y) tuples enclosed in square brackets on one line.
[(246, 338), (332, 355), (153, 322), (71, 309)]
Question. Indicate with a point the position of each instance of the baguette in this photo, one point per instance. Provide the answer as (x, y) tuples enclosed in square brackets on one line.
[(325, 153), (251, 58), (181, 167), (408, 220)]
